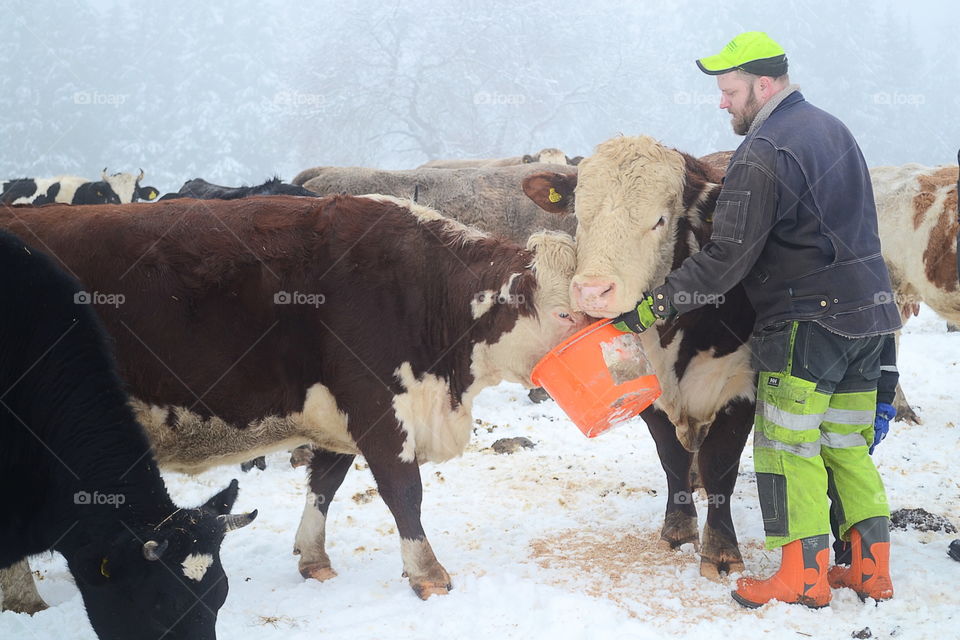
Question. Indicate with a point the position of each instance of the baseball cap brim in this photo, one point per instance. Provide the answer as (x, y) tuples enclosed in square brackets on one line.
[(720, 64)]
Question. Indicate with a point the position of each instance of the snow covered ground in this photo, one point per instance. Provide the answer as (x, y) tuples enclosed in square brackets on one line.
[(559, 541)]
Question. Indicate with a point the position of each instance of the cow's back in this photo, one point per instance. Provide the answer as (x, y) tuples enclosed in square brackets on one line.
[(917, 215), (489, 198)]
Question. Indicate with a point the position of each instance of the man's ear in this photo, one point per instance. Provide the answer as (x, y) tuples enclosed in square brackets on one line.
[(551, 191)]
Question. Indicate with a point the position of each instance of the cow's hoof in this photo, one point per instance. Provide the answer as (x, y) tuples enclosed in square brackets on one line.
[(538, 395), (30, 607), (301, 456), (317, 571), (426, 589), (905, 413), (679, 529), (719, 555), (716, 570)]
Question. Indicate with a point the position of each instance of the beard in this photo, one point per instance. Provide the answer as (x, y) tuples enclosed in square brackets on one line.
[(741, 121)]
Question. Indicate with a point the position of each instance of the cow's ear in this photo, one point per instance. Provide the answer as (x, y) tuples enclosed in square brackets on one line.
[(575, 160), (527, 159), (148, 193), (222, 503), (551, 191)]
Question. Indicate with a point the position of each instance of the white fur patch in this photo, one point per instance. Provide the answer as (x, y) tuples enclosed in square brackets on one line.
[(68, 187), (435, 431), (708, 383), (123, 184), (310, 542), (195, 565), (426, 214), (482, 302)]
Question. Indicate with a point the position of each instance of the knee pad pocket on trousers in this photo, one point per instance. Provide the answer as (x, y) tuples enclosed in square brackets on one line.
[(772, 488)]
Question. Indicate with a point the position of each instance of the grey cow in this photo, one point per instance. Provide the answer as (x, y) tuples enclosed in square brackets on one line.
[(489, 198)]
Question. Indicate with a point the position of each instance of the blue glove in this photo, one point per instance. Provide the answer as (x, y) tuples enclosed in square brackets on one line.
[(881, 424)]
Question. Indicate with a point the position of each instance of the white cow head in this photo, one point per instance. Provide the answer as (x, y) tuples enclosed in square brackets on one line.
[(629, 199)]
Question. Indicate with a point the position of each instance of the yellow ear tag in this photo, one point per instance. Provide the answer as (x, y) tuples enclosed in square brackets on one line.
[(553, 196), (152, 195), (103, 568)]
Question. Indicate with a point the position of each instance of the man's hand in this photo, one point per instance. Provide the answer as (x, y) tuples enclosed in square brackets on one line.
[(881, 424), (638, 320)]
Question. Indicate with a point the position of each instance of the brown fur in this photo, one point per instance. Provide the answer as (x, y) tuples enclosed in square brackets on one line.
[(718, 161), (200, 336), (940, 256)]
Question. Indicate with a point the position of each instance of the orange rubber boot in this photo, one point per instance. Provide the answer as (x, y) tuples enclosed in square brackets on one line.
[(802, 578), (869, 572)]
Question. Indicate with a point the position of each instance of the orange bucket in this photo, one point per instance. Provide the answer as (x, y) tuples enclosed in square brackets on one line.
[(599, 377)]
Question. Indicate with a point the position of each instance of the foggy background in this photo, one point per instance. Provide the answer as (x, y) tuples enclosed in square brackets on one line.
[(237, 92)]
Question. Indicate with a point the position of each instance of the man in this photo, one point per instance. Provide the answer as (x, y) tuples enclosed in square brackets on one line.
[(797, 225)]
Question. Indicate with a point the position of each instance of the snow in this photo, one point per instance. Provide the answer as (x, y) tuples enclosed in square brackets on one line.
[(558, 541)]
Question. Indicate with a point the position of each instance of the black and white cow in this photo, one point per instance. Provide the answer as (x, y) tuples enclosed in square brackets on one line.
[(116, 188), (62, 189), (77, 476)]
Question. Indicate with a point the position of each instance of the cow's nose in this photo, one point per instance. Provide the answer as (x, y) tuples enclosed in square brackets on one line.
[(594, 295)]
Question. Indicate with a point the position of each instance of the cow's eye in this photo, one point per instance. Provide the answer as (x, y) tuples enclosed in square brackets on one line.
[(662, 221), (564, 314)]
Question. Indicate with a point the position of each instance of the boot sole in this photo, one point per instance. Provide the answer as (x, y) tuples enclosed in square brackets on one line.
[(749, 604)]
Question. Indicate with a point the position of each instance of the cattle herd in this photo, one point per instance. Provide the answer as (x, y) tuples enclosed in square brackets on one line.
[(355, 311)]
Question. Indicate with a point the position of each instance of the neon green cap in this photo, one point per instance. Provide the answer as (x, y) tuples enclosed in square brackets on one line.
[(754, 52)]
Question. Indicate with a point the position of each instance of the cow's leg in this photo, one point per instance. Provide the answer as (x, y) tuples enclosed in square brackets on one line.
[(905, 412), (327, 471), (719, 465), (680, 520), (18, 592), (400, 488)]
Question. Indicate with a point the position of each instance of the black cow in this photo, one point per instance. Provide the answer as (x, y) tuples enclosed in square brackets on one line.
[(77, 476), (203, 190)]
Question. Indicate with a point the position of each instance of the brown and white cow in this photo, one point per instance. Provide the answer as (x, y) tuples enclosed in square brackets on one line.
[(642, 208), (917, 215), (488, 198), (549, 156), (359, 324)]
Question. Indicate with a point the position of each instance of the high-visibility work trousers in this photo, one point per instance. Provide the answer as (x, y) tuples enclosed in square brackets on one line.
[(816, 402)]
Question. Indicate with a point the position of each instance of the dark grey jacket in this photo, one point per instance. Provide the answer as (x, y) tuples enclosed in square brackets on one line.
[(797, 224)]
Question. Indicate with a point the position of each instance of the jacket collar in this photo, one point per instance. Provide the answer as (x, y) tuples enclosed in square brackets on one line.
[(775, 101)]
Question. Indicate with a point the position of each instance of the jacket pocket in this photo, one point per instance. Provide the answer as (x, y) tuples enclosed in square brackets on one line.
[(730, 216)]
